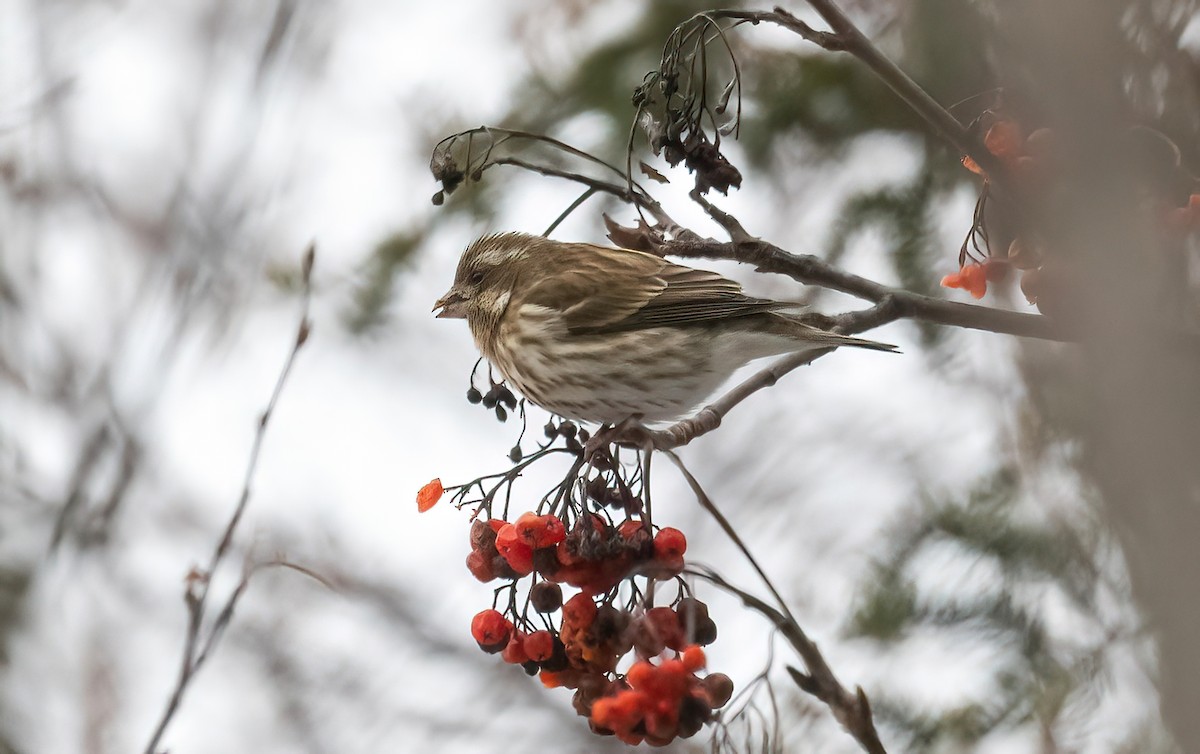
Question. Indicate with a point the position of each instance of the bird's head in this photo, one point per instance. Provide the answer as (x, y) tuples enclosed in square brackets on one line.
[(484, 281)]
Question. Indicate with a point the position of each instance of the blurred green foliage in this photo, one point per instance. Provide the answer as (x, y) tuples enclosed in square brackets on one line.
[(1046, 677)]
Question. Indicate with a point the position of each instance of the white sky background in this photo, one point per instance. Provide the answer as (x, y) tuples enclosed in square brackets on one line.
[(816, 474)]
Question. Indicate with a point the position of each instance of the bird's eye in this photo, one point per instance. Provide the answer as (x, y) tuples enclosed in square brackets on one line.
[(475, 278)]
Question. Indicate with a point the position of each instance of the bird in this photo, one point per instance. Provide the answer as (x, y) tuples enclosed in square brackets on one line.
[(608, 335)]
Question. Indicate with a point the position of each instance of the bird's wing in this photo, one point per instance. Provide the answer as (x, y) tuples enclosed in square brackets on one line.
[(601, 290)]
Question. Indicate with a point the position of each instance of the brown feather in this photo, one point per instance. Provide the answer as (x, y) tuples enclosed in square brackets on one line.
[(605, 290)]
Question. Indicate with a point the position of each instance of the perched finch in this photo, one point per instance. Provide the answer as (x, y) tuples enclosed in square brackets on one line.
[(603, 335)]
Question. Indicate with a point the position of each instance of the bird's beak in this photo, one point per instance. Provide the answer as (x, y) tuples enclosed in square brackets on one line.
[(453, 305)]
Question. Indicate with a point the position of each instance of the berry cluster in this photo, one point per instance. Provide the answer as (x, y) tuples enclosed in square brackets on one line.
[(654, 702), (594, 555), (1034, 163), (660, 697), (636, 668), (498, 398)]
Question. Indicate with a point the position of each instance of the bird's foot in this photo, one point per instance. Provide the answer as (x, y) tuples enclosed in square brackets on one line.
[(629, 431)]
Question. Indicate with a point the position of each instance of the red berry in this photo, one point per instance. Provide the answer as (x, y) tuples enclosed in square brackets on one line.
[(514, 651), (974, 280), (579, 611), (539, 646), (671, 680), (693, 658), (540, 531), (553, 532), (639, 674), (518, 554), (428, 495), (669, 543), (490, 629), (528, 525)]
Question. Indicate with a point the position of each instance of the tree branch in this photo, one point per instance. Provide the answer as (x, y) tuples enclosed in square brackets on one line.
[(196, 592), (853, 711), (812, 270)]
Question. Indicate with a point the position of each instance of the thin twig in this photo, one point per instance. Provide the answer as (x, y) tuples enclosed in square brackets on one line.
[(195, 649), (853, 711)]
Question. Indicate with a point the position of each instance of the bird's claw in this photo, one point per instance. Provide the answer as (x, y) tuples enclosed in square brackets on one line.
[(629, 431)]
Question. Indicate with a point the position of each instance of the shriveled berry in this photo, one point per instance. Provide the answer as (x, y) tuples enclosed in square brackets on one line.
[(502, 569), (501, 414), (483, 535), (545, 597), (480, 566), (515, 454), (473, 395), (490, 398)]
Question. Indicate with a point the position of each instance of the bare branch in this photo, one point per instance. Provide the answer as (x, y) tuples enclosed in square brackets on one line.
[(853, 711), (197, 649), (812, 270)]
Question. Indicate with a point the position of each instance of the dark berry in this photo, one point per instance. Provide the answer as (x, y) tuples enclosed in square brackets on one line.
[(490, 399), (473, 395), (545, 597), (705, 632)]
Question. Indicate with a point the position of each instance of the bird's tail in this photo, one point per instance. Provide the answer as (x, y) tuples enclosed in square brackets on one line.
[(797, 330), (833, 339)]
